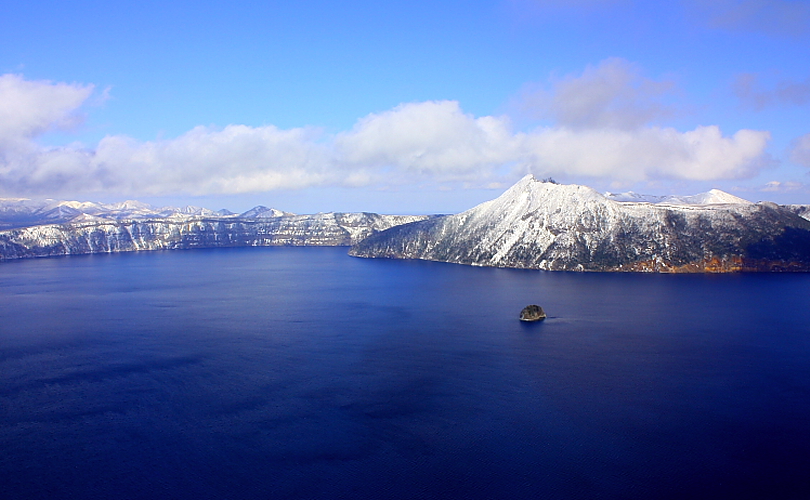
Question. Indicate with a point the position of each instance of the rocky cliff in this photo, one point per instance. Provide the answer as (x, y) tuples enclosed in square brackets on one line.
[(85, 234), (544, 225)]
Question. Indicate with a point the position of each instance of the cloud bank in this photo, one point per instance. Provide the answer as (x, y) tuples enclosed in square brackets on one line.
[(601, 129)]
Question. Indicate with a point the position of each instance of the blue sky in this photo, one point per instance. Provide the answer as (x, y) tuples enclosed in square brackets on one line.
[(409, 107)]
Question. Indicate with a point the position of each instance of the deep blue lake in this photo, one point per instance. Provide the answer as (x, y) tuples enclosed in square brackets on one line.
[(304, 373)]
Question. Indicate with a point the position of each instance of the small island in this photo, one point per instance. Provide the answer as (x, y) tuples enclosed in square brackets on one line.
[(532, 313)]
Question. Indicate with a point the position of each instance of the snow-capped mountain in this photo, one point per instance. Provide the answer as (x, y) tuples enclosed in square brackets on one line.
[(544, 225), (712, 197), (801, 210), (534, 224), (262, 212), (24, 212), (42, 229)]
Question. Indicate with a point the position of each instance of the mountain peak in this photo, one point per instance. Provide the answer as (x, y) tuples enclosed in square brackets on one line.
[(262, 212), (711, 197), (531, 193), (545, 225)]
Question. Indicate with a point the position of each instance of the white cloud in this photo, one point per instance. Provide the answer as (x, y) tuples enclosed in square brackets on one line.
[(235, 159), (602, 129), (29, 108), (439, 140), (433, 138), (432, 141), (800, 151), (612, 94), (651, 153), (205, 160)]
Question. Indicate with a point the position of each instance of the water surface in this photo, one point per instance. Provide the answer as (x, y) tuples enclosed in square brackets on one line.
[(304, 373)]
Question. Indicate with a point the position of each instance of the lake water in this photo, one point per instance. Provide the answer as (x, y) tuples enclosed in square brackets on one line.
[(304, 373)]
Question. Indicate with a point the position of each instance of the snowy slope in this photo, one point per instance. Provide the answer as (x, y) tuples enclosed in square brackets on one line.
[(801, 210), (88, 234), (543, 225), (262, 212), (23, 212), (712, 197)]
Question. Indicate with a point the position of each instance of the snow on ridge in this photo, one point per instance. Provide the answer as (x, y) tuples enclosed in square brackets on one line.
[(545, 225), (711, 197), (633, 197), (23, 212), (262, 212), (531, 212), (802, 211), (529, 195)]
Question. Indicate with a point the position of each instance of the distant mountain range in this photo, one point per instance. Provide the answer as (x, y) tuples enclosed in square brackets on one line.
[(51, 228), (24, 212), (533, 225), (544, 225), (712, 197)]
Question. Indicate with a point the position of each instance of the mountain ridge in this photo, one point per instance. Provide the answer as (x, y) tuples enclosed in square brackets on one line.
[(178, 231), (550, 226), (534, 225), (711, 197)]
